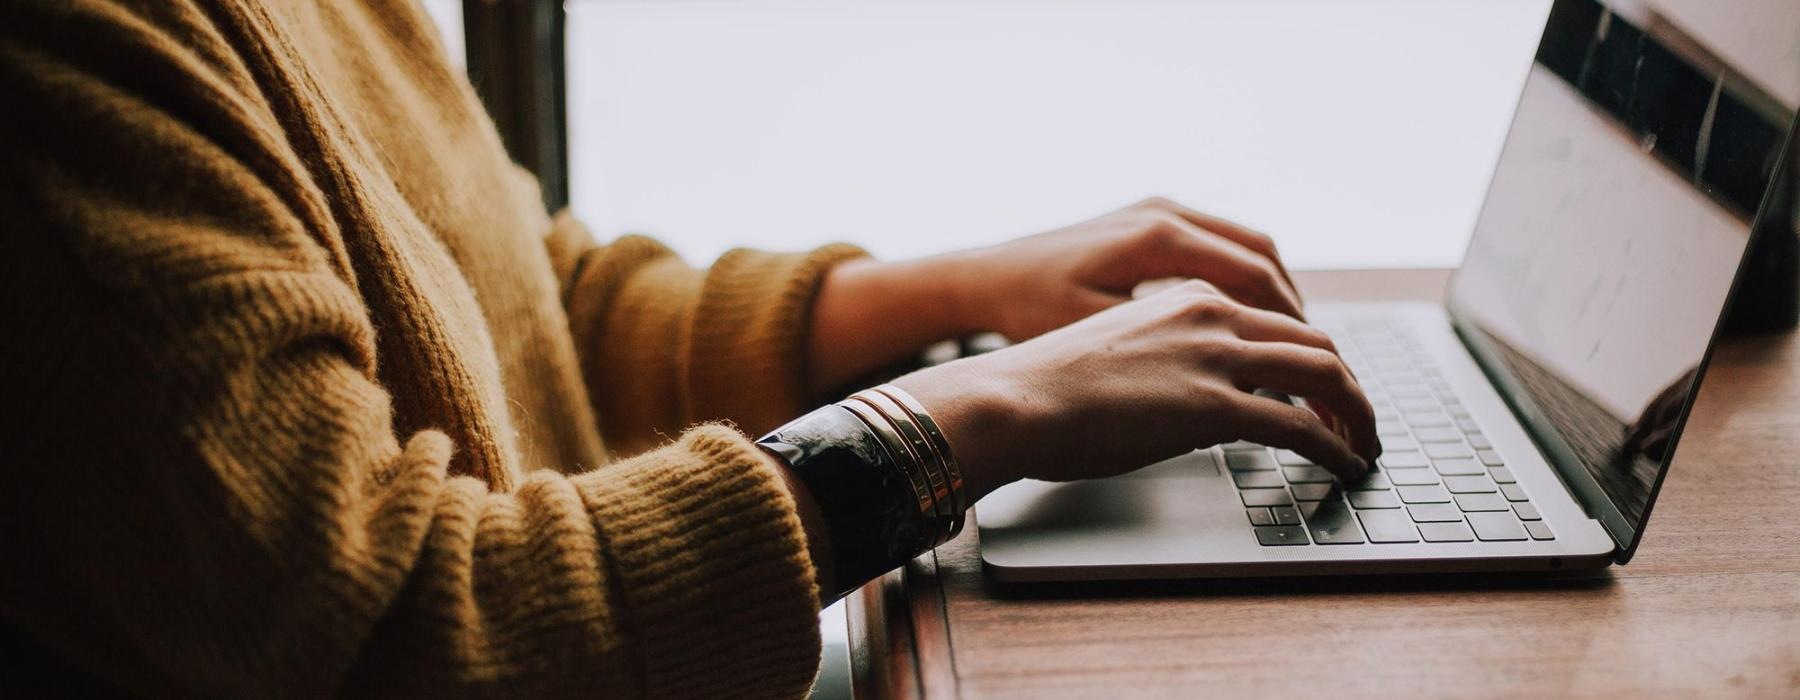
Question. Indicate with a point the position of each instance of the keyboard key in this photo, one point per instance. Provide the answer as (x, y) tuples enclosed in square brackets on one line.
[(1257, 480), (1260, 516), (1265, 497), (1373, 481), (1361, 500), (1435, 513), (1332, 522), (1416, 405), (1290, 458), (1403, 460), (1467, 424), (1307, 475), (1415, 392), (1490, 458), (1512, 492), (1446, 532), (1314, 492), (1435, 419), (1440, 450), (1479, 441), (1393, 364), (1388, 526), (1459, 467), (1468, 484), (1438, 435), (1412, 477), (1281, 535), (1390, 428), (1420, 494), (1539, 531), (1402, 378), (1526, 511), (1502, 475), (1285, 515), (1253, 461), (1398, 444), (1242, 446), (1477, 502), (1496, 527)]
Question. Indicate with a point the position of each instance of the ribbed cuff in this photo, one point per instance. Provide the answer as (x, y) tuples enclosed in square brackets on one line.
[(713, 567), (749, 351)]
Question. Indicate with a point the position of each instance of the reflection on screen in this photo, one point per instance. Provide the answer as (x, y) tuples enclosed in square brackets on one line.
[(1618, 214)]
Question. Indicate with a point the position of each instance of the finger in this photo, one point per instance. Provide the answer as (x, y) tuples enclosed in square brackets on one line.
[(1153, 287), (1319, 377), (1241, 273), (1262, 325), (1267, 326), (1243, 235), (1283, 425)]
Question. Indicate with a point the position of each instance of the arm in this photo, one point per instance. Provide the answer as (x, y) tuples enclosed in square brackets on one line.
[(207, 494), (664, 345)]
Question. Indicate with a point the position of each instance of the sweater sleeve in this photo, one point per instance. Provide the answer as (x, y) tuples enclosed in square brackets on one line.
[(205, 492), (664, 345)]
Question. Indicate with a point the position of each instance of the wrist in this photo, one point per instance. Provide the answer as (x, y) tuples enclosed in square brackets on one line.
[(972, 409), (873, 314), (962, 286)]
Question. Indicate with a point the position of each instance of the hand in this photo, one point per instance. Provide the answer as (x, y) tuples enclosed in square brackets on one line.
[(872, 314), (1145, 381), (1037, 284)]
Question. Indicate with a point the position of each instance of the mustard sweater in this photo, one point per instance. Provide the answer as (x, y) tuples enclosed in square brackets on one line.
[(306, 394)]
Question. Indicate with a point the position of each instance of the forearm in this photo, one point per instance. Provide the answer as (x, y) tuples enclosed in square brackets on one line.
[(872, 314)]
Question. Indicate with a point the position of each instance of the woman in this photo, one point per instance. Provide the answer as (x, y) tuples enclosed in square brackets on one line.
[(311, 396)]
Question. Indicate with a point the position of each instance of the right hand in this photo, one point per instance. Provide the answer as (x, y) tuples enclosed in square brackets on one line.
[(1145, 381)]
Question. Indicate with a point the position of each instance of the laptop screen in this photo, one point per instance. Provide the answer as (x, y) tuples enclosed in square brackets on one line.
[(1645, 141)]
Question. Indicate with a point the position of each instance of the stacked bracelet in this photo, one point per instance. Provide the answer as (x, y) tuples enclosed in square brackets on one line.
[(925, 451), (883, 476)]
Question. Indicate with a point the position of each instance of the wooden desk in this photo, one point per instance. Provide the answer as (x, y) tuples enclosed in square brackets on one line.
[(1710, 606)]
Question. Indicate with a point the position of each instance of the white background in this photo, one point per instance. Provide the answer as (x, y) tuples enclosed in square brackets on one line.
[(1359, 134)]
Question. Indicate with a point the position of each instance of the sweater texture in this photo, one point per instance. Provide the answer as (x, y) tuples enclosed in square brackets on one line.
[(307, 395)]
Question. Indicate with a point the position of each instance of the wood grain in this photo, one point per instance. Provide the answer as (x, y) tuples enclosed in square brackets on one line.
[(1710, 607)]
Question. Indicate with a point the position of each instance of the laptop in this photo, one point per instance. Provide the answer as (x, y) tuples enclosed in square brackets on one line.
[(1528, 421)]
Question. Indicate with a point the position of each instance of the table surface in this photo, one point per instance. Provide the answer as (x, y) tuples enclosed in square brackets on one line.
[(1710, 606)]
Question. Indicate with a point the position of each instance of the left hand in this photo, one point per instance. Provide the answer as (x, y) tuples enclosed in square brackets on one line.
[(870, 314), (1037, 284)]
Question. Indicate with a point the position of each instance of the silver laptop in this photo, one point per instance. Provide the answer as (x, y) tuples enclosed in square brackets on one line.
[(1528, 422)]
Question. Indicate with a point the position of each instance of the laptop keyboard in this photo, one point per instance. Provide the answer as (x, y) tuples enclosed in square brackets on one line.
[(1438, 480)]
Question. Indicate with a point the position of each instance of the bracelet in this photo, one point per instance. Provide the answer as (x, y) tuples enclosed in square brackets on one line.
[(939, 443), (931, 454), (912, 445), (874, 517), (882, 474)]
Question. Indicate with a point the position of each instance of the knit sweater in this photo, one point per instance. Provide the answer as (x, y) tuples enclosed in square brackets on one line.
[(306, 394)]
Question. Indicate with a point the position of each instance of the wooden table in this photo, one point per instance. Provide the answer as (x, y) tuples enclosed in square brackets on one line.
[(1710, 606)]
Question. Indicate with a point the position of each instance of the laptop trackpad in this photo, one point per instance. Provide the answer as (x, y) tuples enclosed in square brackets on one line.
[(1190, 465), (1158, 492)]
